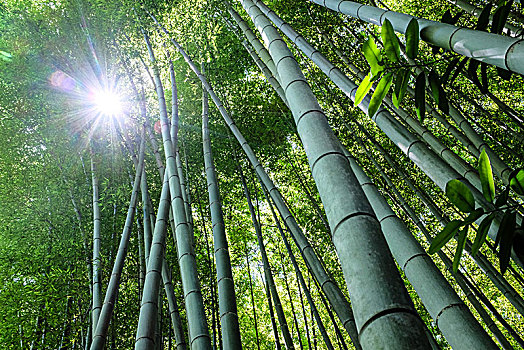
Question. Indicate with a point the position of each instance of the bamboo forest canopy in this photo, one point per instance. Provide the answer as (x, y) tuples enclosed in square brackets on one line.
[(197, 174)]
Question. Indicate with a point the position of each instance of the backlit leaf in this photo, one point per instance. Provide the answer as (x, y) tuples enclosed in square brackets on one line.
[(486, 177), (460, 195)]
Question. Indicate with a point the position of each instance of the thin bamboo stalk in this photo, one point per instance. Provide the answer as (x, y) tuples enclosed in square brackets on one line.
[(337, 299), (100, 334), (267, 268), (198, 330), (226, 288)]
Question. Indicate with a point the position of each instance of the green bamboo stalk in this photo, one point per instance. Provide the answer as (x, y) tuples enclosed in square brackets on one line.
[(475, 12), (176, 323), (226, 288), (460, 279), (366, 261), (497, 279), (336, 298), (300, 277), (198, 330), (255, 319), (272, 290), (100, 334), (504, 52), (458, 325), (457, 163), (97, 287), (260, 55)]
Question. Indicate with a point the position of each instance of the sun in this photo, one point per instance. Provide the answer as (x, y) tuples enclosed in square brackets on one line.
[(107, 103)]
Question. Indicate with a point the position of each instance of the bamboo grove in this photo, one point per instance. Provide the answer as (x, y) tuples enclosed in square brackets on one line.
[(202, 174)]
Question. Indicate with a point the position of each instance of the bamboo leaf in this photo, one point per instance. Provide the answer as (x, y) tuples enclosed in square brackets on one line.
[(434, 84), (472, 71), (380, 92), (502, 198), (516, 181), (484, 78), (518, 243), (390, 41), (455, 18), (486, 177), (444, 236), (460, 195), (500, 17), (483, 21), (459, 69), (473, 216), (373, 56), (412, 38), (363, 89), (506, 234), (446, 17), (507, 223), (450, 68), (461, 242), (443, 103), (420, 96), (482, 233), (401, 86)]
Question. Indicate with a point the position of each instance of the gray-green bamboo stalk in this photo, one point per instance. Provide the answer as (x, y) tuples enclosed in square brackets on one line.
[(498, 280), (267, 268), (226, 288), (349, 213), (501, 51), (96, 303), (453, 318), (300, 277), (99, 336), (475, 11), (425, 158), (198, 330), (335, 296)]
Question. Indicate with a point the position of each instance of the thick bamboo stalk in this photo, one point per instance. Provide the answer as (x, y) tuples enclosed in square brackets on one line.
[(458, 164), (198, 330), (497, 279), (226, 288), (176, 323), (99, 336), (458, 325), (366, 261), (501, 51), (475, 11), (426, 159), (261, 56), (336, 298)]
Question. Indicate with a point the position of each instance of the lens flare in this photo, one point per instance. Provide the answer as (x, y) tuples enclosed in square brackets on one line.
[(107, 103)]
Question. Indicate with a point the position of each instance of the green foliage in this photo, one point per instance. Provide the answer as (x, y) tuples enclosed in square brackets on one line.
[(373, 56), (390, 41), (462, 197), (363, 89), (380, 92), (412, 39), (486, 177)]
